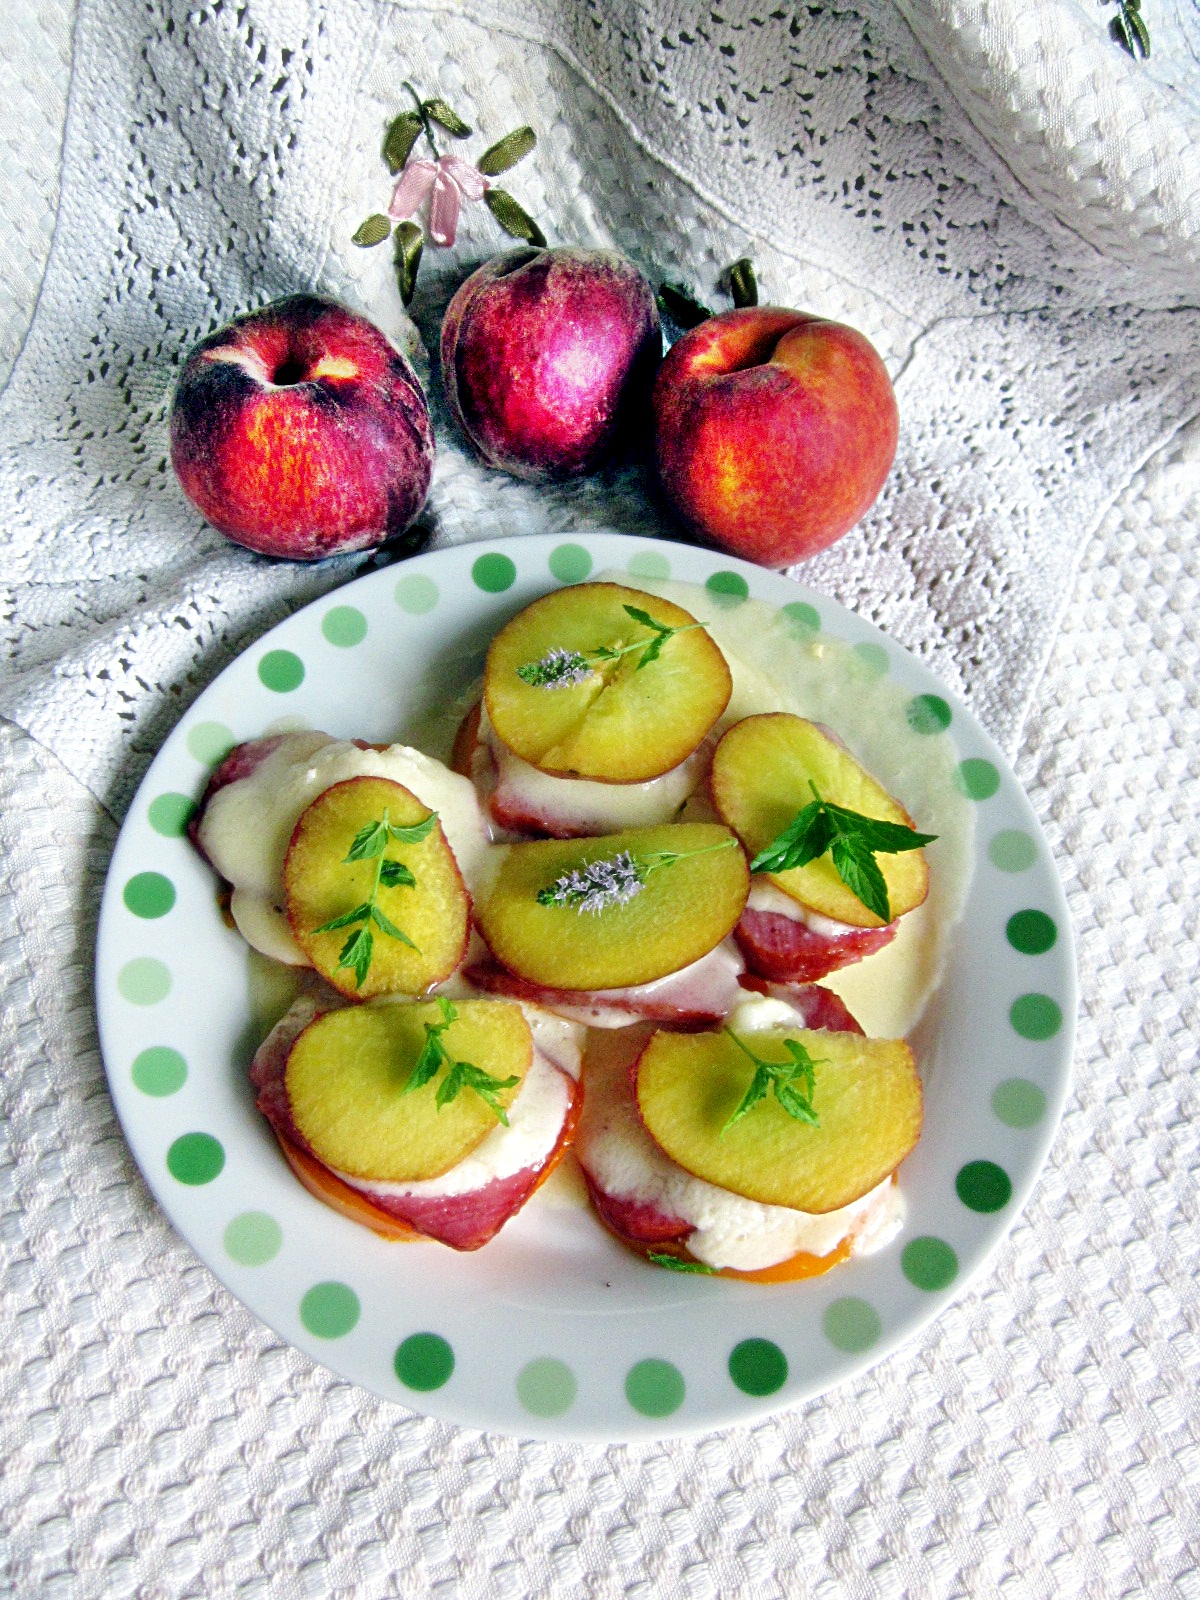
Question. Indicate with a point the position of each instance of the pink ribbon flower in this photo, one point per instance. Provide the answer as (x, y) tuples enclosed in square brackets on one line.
[(451, 181)]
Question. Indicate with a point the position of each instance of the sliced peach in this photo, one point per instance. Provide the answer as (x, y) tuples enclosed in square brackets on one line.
[(762, 774), (345, 1082), (682, 911), (622, 723), (321, 886), (867, 1097)]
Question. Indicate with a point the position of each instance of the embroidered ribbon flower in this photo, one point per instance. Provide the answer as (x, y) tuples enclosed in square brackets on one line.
[(450, 180)]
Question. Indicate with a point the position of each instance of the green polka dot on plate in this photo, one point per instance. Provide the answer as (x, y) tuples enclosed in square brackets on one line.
[(424, 1361), (144, 981), (493, 573), (253, 1239), (1018, 1103), (344, 626), (649, 564), (655, 1388), (1012, 850), (149, 895), (329, 1310), (928, 713), (195, 1159), (757, 1366), (1031, 932), (546, 1387), (570, 563), (159, 1071), (169, 814), (977, 778), (873, 658), (281, 671), (851, 1324), (416, 594), (727, 588), (983, 1186), (210, 742), (803, 621), (929, 1263), (1035, 1016)]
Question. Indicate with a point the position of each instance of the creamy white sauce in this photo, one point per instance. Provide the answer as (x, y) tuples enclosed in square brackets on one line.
[(584, 805), (535, 1121), (764, 896), (247, 825), (719, 969), (727, 1230)]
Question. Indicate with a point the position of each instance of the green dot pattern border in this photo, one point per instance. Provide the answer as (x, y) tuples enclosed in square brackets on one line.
[(547, 1386)]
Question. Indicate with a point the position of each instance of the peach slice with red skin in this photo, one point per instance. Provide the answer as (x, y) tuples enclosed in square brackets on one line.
[(320, 885), (682, 912), (867, 1096), (622, 723), (346, 1074), (465, 1221), (763, 774)]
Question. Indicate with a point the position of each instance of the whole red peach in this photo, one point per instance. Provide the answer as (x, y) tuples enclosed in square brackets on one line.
[(301, 431), (774, 431), (546, 357)]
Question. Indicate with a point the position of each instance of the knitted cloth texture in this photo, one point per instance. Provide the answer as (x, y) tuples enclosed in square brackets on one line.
[(1016, 229)]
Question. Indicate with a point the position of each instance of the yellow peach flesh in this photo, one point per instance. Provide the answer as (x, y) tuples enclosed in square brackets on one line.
[(867, 1097), (346, 1071), (761, 776)]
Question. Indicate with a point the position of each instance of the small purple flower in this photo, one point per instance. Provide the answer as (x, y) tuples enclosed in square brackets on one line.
[(557, 669), (612, 882)]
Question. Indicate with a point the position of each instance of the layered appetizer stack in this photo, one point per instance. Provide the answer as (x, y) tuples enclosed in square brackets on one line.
[(601, 930)]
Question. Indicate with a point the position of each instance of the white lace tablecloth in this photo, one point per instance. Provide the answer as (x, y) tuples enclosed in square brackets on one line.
[(1024, 250)]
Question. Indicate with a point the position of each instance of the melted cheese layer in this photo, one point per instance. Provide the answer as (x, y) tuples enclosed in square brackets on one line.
[(247, 825)]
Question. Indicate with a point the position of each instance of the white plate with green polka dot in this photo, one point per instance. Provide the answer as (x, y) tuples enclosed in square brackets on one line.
[(554, 1330)]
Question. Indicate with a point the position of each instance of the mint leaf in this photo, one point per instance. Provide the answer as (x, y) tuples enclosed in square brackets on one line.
[(347, 919), (369, 842), (857, 868), (395, 875), (806, 837), (356, 953), (385, 925), (415, 832), (661, 1258), (757, 1091), (780, 1078)]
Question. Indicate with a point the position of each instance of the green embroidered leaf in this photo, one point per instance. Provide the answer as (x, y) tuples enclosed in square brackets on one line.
[(743, 285), (680, 304), (373, 231), (410, 241), (438, 111), (399, 140), (513, 218), (506, 152)]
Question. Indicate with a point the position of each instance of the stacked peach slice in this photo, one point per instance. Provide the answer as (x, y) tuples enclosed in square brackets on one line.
[(597, 702), (764, 771)]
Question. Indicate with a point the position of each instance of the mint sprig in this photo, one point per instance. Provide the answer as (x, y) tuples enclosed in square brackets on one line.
[(559, 668), (662, 1258), (461, 1075), (792, 1082), (852, 840), (369, 844)]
